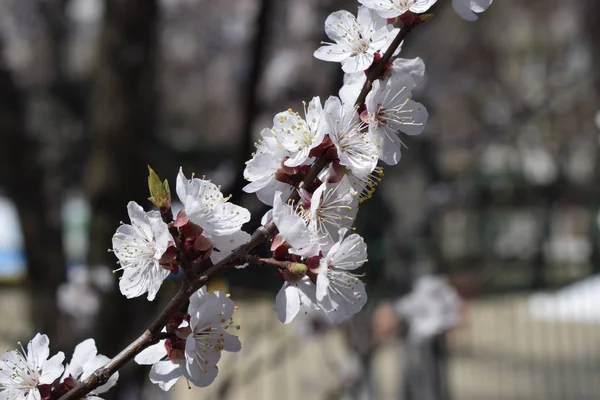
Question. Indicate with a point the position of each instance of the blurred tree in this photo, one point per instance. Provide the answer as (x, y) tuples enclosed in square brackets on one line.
[(123, 109), (258, 56), (23, 175)]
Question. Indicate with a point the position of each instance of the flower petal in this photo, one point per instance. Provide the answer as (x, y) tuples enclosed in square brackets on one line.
[(165, 374), (152, 354), (287, 303), (52, 368)]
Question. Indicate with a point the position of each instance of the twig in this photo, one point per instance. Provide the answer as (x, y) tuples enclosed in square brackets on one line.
[(237, 257), (378, 69)]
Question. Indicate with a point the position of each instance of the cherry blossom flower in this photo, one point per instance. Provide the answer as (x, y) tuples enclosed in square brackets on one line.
[(262, 169), (395, 8), (195, 348), (296, 294), (357, 39), (355, 149), (468, 9), (293, 229), (224, 245), (332, 206), (139, 248), (339, 292), (84, 362), (413, 68), (27, 375), (206, 206), (297, 135), (390, 110)]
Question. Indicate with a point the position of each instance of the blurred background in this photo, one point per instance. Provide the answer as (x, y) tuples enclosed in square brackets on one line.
[(499, 195)]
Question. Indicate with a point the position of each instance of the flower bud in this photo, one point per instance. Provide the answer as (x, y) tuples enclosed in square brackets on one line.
[(298, 269), (160, 194)]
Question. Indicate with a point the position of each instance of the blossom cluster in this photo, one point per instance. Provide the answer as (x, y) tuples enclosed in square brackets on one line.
[(31, 375), (313, 168)]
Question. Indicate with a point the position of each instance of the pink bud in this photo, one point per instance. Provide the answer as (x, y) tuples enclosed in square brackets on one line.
[(181, 219)]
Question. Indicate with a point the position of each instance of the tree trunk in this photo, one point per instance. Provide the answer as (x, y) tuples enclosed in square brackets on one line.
[(122, 125), (23, 175)]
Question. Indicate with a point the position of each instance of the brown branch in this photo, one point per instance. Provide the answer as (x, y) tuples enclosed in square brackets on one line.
[(237, 257), (267, 262)]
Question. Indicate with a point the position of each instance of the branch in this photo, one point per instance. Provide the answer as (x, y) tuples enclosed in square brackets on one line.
[(377, 69), (237, 257)]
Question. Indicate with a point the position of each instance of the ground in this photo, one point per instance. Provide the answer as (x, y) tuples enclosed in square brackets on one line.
[(500, 352)]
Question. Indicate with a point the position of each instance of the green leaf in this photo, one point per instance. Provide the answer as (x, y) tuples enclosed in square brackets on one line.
[(160, 194)]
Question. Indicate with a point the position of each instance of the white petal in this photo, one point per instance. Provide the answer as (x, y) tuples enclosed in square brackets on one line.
[(138, 218), (160, 232), (224, 245), (199, 374), (421, 6), (38, 350), (322, 282), (147, 277), (83, 352), (413, 67), (182, 186), (98, 362), (480, 5), (463, 9), (165, 374), (357, 63), (287, 303), (292, 227), (152, 354), (338, 24), (256, 185), (350, 254), (267, 193), (196, 351), (33, 395), (209, 308), (333, 53), (419, 115), (231, 342), (53, 368), (15, 394), (7, 361), (227, 220), (389, 147)]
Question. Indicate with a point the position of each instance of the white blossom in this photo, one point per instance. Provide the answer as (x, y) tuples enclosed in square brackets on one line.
[(340, 293), (297, 135), (413, 68), (21, 372), (206, 206), (357, 39), (261, 170), (139, 247), (433, 307), (203, 340), (390, 111), (356, 149), (224, 245), (293, 297), (292, 227), (332, 206), (84, 362), (468, 9), (395, 8)]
